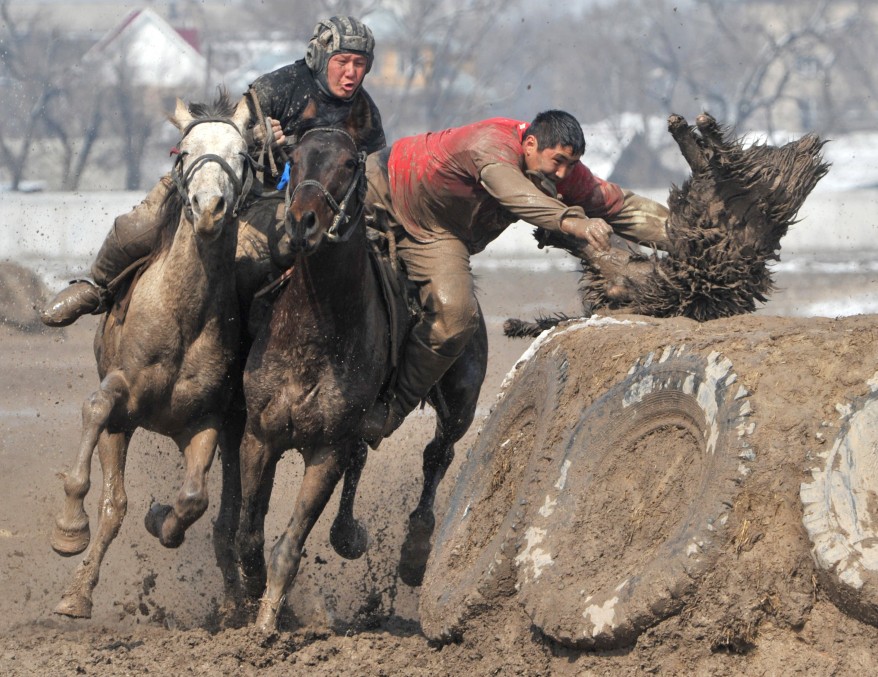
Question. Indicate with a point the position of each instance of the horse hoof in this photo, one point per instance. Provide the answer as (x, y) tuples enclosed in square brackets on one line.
[(155, 520), (350, 542), (416, 550), (69, 542), (74, 606), (266, 620)]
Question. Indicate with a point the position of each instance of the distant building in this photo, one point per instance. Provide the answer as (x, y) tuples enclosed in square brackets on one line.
[(151, 53)]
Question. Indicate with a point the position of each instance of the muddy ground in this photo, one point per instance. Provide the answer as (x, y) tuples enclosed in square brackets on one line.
[(154, 609)]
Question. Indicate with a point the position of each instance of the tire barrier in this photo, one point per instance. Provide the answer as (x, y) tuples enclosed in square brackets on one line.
[(840, 511), (635, 468), (596, 588), (472, 553)]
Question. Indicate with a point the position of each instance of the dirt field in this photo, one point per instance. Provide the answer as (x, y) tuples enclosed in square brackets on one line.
[(155, 609)]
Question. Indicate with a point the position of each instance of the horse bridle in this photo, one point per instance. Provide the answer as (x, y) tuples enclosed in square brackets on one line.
[(340, 209), (182, 177)]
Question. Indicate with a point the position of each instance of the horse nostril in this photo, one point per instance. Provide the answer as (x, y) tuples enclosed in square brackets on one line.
[(309, 220), (220, 206)]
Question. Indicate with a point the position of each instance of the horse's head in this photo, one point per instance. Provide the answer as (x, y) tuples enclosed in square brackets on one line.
[(326, 189), (212, 171)]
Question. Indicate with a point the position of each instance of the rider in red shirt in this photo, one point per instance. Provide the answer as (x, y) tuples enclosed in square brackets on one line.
[(447, 194)]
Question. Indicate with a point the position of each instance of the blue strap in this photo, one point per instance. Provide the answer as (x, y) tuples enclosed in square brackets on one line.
[(284, 178)]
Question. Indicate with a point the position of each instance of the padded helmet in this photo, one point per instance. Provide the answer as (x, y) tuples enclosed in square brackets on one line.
[(336, 35)]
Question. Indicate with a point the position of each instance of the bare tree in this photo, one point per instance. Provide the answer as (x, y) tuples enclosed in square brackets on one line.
[(51, 109), (32, 73)]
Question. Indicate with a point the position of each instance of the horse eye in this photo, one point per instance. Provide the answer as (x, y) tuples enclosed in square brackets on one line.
[(351, 164)]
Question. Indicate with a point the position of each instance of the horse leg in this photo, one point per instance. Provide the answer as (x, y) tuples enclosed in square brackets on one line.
[(348, 536), (71, 535), (459, 393), (226, 524), (438, 455), (169, 523), (112, 450), (257, 463), (323, 469)]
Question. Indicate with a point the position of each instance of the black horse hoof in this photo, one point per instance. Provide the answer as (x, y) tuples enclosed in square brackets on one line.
[(155, 520), (350, 541), (416, 550)]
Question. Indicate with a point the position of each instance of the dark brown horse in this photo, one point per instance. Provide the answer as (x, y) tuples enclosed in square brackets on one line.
[(166, 360), (318, 364)]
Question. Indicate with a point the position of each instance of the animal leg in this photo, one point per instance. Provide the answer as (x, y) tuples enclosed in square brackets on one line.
[(416, 547), (169, 523), (690, 145), (71, 534), (459, 393), (348, 536), (710, 131), (112, 450), (323, 469), (257, 479), (230, 506)]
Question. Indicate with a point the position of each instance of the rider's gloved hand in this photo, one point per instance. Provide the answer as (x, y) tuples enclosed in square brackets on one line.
[(594, 231), (262, 130)]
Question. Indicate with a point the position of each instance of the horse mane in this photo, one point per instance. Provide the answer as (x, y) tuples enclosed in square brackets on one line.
[(222, 107)]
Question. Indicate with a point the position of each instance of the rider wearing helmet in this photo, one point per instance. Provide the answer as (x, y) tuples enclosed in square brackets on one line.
[(330, 77)]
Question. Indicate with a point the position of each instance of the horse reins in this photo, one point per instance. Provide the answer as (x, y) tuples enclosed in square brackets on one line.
[(340, 209)]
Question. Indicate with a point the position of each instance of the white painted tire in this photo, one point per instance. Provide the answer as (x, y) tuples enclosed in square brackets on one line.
[(470, 565), (589, 587), (840, 513)]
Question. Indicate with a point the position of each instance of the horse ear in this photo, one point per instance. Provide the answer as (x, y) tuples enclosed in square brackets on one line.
[(241, 116), (181, 116), (359, 119), (310, 111)]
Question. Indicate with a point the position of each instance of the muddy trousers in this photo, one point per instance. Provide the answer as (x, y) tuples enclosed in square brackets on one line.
[(441, 272), (133, 236)]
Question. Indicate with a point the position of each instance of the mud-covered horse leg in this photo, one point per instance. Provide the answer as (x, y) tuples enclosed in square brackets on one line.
[(77, 598), (71, 534), (459, 391), (226, 525), (168, 523), (323, 469), (257, 469), (347, 535)]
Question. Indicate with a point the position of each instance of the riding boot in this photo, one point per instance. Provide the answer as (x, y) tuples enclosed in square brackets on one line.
[(133, 236), (419, 370), (83, 296), (70, 303)]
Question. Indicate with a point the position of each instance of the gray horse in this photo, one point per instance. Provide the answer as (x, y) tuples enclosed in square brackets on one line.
[(167, 351)]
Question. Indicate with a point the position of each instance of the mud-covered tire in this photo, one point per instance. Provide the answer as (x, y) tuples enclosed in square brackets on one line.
[(470, 563), (587, 586), (840, 513)]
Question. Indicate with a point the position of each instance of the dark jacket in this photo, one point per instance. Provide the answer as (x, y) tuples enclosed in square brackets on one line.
[(284, 94)]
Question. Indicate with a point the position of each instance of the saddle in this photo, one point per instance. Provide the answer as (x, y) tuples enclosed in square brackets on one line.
[(400, 295)]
